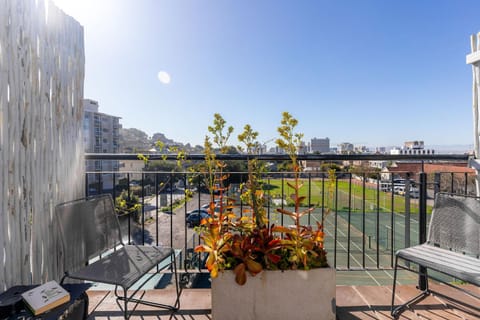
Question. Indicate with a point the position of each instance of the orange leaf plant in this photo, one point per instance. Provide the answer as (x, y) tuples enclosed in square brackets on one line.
[(246, 243)]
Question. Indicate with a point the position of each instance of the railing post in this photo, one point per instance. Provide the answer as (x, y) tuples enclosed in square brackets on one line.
[(87, 191), (143, 208), (422, 279), (437, 181), (408, 187), (129, 215)]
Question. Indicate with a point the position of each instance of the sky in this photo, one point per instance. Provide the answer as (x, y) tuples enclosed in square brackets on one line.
[(368, 72)]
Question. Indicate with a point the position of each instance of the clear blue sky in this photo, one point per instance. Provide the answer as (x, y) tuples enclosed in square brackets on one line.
[(366, 72)]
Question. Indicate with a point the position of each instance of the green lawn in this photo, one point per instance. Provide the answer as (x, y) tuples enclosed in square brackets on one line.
[(340, 198)]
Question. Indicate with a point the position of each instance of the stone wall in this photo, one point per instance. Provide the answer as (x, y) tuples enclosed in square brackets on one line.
[(41, 150)]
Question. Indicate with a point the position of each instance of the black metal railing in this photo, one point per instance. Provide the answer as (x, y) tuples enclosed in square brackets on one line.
[(366, 220)]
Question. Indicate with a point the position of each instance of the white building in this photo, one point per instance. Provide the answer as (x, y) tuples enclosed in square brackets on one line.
[(412, 147), (416, 147), (100, 135), (345, 147), (395, 151), (380, 164)]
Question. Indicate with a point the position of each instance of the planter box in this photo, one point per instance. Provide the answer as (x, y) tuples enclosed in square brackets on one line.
[(291, 294)]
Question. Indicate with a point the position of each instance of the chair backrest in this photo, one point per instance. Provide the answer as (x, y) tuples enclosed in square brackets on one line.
[(455, 223), (88, 227)]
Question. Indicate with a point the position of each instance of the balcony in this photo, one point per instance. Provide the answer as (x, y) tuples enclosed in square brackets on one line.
[(369, 221), (353, 302), (43, 70)]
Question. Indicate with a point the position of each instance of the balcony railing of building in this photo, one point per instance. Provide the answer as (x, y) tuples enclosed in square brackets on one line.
[(369, 219)]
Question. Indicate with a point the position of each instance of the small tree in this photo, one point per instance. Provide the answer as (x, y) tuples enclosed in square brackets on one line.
[(125, 204)]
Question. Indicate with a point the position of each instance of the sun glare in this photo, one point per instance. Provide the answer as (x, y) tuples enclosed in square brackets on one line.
[(79, 10), (70, 7), (164, 77)]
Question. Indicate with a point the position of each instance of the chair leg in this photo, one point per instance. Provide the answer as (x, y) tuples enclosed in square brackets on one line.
[(131, 298), (392, 311), (178, 291), (396, 311), (125, 301), (125, 304)]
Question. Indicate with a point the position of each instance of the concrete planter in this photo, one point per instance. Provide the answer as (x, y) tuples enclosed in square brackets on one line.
[(291, 294)]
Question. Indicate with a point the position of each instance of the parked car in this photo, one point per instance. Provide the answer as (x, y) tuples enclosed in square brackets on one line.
[(193, 219), (217, 204), (414, 193), (400, 190), (196, 211)]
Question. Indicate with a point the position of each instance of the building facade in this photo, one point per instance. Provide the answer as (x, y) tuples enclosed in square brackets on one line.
[(345, 147), (318, 145), (412, 147), (101, 134)]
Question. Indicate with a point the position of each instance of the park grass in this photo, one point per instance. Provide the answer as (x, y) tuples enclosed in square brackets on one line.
[(344, 195)]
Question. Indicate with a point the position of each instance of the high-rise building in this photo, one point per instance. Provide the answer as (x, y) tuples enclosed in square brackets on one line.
[(345, 147), (101, 135), (320, 145)]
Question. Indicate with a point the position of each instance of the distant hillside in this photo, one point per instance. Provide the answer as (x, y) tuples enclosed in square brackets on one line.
[(161, 137), (133, 141), (136, 141)]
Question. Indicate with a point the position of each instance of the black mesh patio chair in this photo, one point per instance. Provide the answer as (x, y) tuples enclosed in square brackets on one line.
[(90, 229)]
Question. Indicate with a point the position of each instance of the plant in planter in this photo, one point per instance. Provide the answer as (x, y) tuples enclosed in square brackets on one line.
[(250, 247)]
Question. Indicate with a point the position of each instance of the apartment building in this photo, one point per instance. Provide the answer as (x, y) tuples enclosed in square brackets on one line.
[(320, 145), (100, 135), (345, 147), (412, 147)]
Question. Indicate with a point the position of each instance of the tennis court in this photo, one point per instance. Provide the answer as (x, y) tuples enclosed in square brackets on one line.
[(363, 252)]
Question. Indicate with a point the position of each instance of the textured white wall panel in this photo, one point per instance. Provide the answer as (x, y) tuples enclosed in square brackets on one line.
[(41, 151)]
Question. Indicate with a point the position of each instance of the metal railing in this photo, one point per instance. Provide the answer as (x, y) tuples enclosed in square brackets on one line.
[(366, 220)]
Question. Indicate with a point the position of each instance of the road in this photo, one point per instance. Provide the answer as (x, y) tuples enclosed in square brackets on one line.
[(181, 234)]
